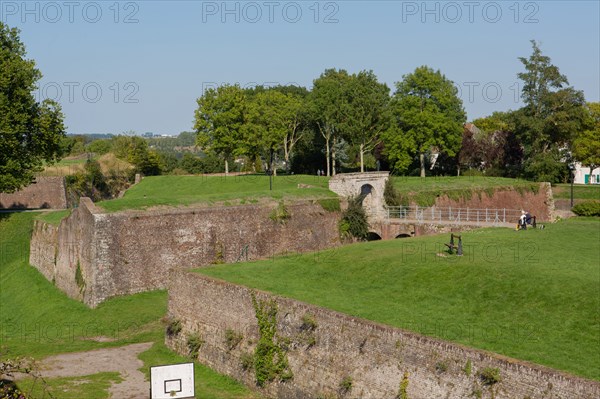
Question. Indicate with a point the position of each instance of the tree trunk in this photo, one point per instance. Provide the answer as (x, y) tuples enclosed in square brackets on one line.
[(422, 160), (327, 156), (333, 157), (362, 161), (226, 167)]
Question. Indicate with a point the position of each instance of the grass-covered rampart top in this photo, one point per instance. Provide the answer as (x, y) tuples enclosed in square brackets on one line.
[(424, 191), (227, 190), (531, 295), (236, 190)]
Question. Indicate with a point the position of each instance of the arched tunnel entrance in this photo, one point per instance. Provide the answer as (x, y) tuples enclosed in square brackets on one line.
[(365, 190), (403, 236), (372, 236)]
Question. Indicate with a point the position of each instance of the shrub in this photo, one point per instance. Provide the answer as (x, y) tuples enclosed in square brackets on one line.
[(194, 343), (247, 361), (587, 208), (280, 214), (346, 385), (354, 220), (441, 367), (468, 368), (173, 326), (490, 376), (308, 323), (270, 359), (402, 392), (232, 339), (390, 195)]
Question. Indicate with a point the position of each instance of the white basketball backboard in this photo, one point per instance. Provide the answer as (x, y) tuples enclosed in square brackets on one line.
[(175, 381)]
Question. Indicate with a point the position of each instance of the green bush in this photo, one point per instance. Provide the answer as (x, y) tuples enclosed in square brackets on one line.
[(402, 392), (308, 323), (390, 195), (247, 361), (270, 359), (174, 326), (194, 343), (280, 214), (346, 385), (232, 339), (354, 220), (490, 376), (587, 208)]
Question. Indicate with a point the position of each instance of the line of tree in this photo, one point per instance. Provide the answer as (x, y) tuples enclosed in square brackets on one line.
[(352, 120)]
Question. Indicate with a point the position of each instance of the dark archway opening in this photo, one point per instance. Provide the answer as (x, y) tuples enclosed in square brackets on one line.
[(372, 236), (365, 190), (403, 236)]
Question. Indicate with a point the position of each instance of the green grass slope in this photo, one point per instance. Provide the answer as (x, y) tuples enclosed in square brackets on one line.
[(233, 190), (37, 320), (532, 295)]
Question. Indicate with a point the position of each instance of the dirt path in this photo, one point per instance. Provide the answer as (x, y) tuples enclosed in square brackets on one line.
[(122, 359)]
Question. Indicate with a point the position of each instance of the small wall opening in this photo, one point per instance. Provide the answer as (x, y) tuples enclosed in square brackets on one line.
[(372, 236), (403, 236)]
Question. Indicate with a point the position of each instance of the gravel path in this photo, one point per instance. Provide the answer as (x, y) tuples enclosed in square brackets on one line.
[(122, 359)]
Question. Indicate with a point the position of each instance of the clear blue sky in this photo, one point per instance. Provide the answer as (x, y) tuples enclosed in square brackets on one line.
[(152, 59)]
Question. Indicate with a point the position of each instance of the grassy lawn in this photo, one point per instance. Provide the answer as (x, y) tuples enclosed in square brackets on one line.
[(90, 386), (587, 192), (532, 295), (37, 320), (230, 190), (54, 217)]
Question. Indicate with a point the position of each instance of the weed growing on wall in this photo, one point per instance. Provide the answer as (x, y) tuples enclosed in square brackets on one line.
[(490, 376), (280, 214), (194, 343), (270, 359), (79, 278), (402, 392), (232, 339), (468, 368), (345, 385), (173, 326)]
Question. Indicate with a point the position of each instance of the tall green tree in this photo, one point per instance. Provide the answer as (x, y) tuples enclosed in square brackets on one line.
[(30, 132), (427, 116), (221, 121), (586, 147), (552, 116), (329, 108), (367, 112)]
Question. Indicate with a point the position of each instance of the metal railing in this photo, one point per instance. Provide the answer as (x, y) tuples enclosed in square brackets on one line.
[(453, 215)]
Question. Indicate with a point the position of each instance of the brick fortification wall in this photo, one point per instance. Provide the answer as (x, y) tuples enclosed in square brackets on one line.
[(540, 203), (128, 252), (376, 357), (44, 193)]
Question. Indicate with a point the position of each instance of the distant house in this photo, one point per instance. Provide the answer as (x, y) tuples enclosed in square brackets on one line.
[(583, 175)]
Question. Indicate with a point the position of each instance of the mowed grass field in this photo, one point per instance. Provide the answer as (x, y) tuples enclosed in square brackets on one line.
[(229, 190), (37, 320), (532, 295), (586, 192)]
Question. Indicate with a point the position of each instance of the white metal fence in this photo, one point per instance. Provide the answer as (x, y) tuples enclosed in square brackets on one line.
[(450, 214)]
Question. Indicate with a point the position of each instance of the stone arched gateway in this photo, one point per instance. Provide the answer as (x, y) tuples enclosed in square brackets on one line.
[(369, 186)]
